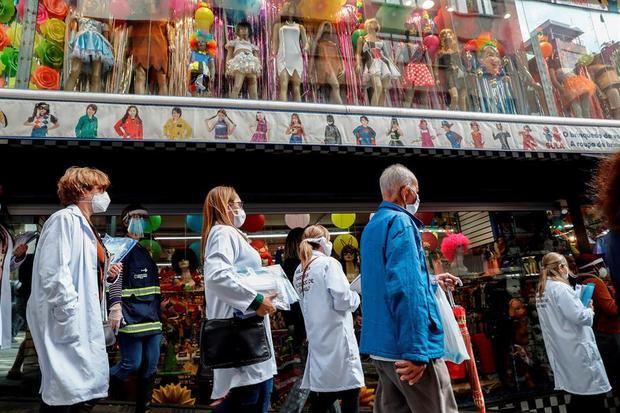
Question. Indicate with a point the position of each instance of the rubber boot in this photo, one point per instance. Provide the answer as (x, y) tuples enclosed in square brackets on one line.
[(145, 394)]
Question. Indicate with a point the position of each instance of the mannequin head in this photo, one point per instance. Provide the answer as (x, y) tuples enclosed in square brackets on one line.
[(243, 30), (349, 254), (447, 41), (325, 31), (490, 59), (183, 260), (372, 26)]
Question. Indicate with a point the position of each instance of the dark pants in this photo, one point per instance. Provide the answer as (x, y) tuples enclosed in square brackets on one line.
[(136, 352), (591, 403), (84, 407), (609, 347), (323, 402), (254, 398)]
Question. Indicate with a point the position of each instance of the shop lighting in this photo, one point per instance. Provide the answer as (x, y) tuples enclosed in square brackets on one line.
[(507, 16), (408, 2), (276, 235), (450, 9), (428, 4)]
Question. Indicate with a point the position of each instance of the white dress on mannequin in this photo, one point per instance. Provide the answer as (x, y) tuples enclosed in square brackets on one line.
[(290, 57)]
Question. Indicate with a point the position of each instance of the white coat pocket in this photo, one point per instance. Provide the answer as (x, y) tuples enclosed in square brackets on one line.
[(65, 327)]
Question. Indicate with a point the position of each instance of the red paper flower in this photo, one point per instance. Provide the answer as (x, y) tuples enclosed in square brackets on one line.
[(46, 78), (57, 8), (4, 39)]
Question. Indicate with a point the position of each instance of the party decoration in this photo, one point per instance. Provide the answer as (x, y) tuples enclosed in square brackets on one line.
[(297, 220), (343, 221), (356, 35), (431, 42), (546, 48), (120, 9), (46, 78), (204, 17), (4, 38), (57, 8), (425, 217), (152, 247), (173, 394), (345, 239), (392, 17), (7, 10), (197, 248), (202, 35), (429, 240), (9, 59), (450, 244), (194, 223), (14, 32), (152, 224), (253, 223), (50, 54), (53, 30), (359, 14), (324, 10), (42, 15)]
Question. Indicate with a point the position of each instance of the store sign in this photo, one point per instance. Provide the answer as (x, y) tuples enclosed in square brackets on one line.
[(104, 121)]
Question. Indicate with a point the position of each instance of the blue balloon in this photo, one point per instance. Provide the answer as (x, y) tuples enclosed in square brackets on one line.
[(195, 246), (194, 223)]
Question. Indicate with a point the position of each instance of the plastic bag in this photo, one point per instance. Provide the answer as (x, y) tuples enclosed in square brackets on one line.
[(453, 343), (118, 247), (270, 280)]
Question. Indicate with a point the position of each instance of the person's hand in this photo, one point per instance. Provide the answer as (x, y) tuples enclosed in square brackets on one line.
[(20, 251), (448, 281), (267, 307), (591, 305), (410, 371), (116, 314), (114, 271)]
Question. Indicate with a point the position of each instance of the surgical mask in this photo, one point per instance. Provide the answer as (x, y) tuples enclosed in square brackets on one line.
[(136, 226), (413, 208), (100, 202), (238, 217)]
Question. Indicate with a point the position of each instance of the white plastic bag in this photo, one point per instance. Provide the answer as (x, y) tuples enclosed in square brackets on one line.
[(270, 280), (453, 343)]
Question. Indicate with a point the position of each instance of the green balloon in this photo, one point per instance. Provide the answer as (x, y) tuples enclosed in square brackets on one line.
[(153, 247), (152, 224), (356, 35)]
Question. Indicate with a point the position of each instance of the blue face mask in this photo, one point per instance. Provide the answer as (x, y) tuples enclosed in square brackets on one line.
[(136, 226)]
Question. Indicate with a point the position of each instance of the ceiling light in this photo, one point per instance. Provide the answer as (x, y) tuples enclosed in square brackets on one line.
[(428, 4), (450, 9), (507, 16)]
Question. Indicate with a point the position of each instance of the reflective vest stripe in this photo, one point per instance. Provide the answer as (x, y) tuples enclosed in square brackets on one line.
[(139, 292), (141, 327)]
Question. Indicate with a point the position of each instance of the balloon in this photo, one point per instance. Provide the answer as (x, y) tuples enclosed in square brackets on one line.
[(152, 224), (253, 223), (345, 239), (430, 239), (297, 220), (431, 42), (194, 223), (320, 9), (356, 35), (197, 249), (204, 17), (393, 17), (425, 217), (546, 49), (153, 248), (343, 221)]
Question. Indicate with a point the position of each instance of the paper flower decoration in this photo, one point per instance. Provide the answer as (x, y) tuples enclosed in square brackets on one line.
[(201, 35), (57, 8), (173, 394), (7, 10), (46, 78), (50, 54), (42, 15), (14, 33), (585, 60), (4, 38), (9, 58), (53, 30)]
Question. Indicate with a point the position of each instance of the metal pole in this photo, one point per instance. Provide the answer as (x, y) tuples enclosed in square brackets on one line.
[(27, 44), (544, 76)]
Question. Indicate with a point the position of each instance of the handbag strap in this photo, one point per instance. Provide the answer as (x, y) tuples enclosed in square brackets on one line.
[(303, 275)]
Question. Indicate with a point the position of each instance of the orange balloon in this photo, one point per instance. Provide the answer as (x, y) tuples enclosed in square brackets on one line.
[(546, 49)]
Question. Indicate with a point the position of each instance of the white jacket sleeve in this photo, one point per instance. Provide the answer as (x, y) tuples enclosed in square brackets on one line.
[(219, 271), (571, 307), (344, 299), (56, 279)]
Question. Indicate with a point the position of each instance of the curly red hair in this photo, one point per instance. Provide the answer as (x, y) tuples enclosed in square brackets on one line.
[(451, 242), (606, 188)]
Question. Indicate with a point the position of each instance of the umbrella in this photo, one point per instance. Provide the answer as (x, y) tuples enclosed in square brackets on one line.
[(474, 380)]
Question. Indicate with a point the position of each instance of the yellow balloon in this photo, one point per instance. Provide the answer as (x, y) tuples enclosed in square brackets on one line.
[(343, 221), (345, 239), (204, 16), (203, 26)]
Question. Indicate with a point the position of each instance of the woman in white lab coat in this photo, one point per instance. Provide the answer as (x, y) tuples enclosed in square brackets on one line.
[(227, 250), (64, 310), (567, 330), (333, 369)]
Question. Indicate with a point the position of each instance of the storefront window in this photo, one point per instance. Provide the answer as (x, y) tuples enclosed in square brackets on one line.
[(11, 31)]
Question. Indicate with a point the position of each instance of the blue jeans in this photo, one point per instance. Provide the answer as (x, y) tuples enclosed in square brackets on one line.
[(136, 352), (254, 398)]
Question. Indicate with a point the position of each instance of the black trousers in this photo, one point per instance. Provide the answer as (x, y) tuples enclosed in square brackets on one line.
[(84, 407), (322, 402), (592, 403)]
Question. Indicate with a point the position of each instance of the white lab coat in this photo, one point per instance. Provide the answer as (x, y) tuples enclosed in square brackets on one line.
[(571, 348), (5, 293), (228, 252), (64, 311), (327, 303)]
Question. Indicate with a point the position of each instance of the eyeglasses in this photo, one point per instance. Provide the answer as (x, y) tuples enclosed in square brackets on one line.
[(238, 204)]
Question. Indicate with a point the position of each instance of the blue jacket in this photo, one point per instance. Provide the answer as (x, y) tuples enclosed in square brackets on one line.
[(401, 318)]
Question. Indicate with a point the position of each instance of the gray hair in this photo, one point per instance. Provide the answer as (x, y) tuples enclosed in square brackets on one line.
[(394, 178)]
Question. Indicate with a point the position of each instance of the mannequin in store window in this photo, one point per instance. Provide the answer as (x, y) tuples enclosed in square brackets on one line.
[(185, 264), (326, 61), (242, 62), (607, 79), (373, 63), (289, 43), (449, 64), (575, 90), (349, 258), (412, 60), (494, 90), (453, 247)]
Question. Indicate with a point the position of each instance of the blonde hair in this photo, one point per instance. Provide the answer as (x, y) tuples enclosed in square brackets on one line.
[(77, 181), (306, 248), (551, 264), (215, 209)]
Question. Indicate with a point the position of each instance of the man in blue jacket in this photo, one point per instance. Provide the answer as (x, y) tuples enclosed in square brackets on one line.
[(402, 329)]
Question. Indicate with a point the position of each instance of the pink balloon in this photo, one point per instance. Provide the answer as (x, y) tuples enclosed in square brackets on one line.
[(431, 42), (297, 220)]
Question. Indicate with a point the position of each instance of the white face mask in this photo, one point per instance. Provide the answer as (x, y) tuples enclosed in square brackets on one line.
[(603, 273), (238, 217), (413, 208), (100, 202)]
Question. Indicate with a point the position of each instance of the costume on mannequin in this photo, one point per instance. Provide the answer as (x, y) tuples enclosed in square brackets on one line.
[(575, 90), (202, 62), (327, 61), (91, 51), (287, 40), (412, 60), (349, 258), (448, 62), (373, 63), (494, 88), (242, 62), (453, 247), (607, 79), (185, 265)]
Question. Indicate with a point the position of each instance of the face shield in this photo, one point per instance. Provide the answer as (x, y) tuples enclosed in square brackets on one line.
[(136, 222)]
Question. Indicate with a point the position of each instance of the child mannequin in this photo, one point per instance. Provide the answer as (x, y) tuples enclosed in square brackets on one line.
[(242, 62)]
